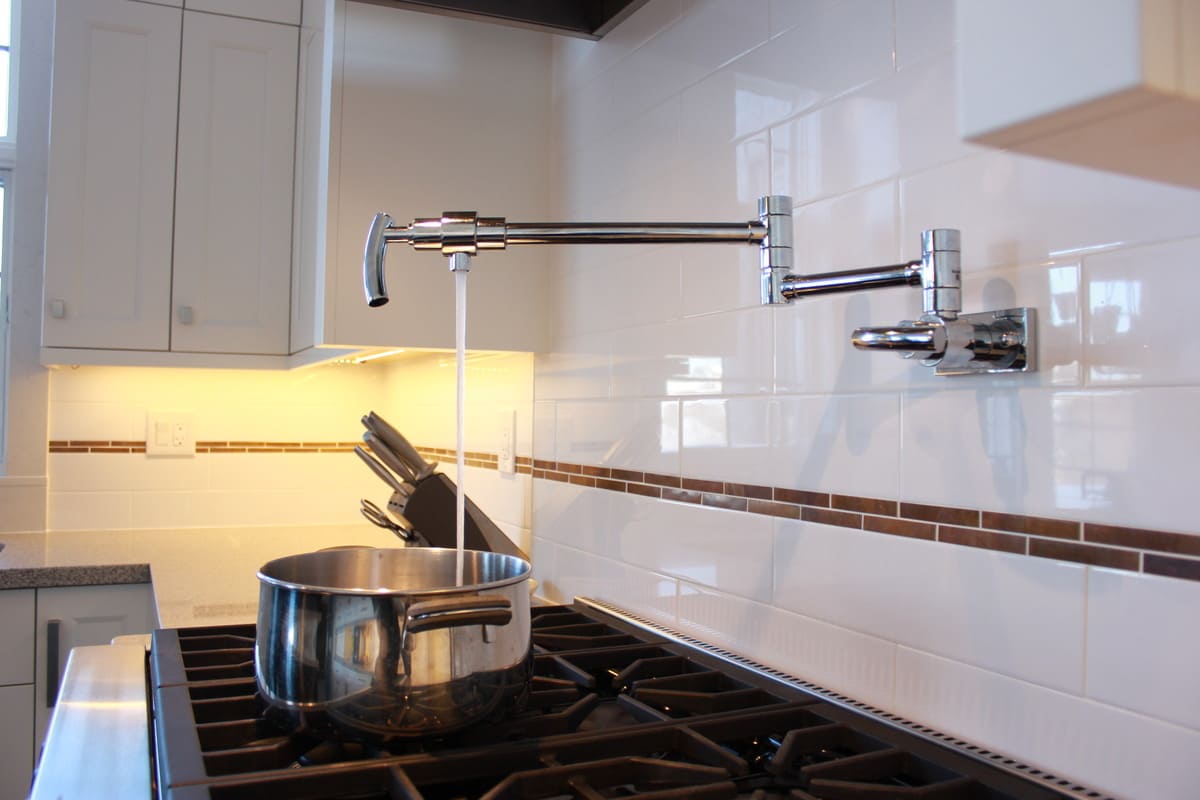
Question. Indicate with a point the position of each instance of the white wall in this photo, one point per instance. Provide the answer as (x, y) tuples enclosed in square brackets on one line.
[(663, 362), (23, 487)]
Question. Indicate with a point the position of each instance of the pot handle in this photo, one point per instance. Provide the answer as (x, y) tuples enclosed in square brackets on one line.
[(454, 612)]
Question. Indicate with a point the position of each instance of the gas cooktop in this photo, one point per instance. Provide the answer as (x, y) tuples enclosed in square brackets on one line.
[(616, 709)]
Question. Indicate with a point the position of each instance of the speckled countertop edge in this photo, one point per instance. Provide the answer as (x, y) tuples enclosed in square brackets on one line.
[(48, 577)]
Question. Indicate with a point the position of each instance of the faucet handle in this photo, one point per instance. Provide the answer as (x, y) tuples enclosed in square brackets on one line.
[(941, 272)]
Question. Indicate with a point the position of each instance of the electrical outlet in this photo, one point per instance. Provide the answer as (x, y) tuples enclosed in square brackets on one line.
[(170, 433), (508, 433)]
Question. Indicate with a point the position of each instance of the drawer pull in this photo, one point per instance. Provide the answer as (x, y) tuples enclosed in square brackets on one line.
[(53, 667)]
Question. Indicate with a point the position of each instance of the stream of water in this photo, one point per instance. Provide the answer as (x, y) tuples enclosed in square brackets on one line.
[(460, 346)]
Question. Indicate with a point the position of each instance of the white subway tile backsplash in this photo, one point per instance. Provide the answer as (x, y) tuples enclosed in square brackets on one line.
[(1016, 209), (88, 511), (827, 655), (845, 444), (856, 229), (1133, 301), (1130, 755), (829, 47), (716, 354), (727, 439), (710, 33), (630, 434), (721, 549), (1009, 614), (577, 573), (1138, 654), (91, 421), (1024, 451), (924, 30), (846, 145)]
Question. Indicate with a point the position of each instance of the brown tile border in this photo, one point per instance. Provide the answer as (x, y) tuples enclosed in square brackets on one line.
[(1127, 549), (1165, 553)]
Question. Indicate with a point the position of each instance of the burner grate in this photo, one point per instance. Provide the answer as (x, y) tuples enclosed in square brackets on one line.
[(615, 710)]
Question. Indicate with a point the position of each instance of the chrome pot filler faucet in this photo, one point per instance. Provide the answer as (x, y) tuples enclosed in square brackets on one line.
[(943, 338)]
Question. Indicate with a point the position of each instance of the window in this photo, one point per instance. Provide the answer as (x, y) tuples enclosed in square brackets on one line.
[(7, 160)]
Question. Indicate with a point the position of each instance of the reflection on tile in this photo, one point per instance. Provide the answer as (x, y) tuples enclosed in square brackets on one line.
[(1135, 302), (717, 354), (1019, 209), (632, 434), (844, 444), (725, 439)]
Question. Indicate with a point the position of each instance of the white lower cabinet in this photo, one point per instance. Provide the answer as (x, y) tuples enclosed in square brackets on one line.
[(16, 692), (39, 628), (16, 745)]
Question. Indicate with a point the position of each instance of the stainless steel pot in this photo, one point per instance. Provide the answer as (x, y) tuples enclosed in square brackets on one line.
[(382, 644)]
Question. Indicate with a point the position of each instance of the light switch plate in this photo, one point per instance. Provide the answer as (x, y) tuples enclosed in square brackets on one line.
[(170, 433)]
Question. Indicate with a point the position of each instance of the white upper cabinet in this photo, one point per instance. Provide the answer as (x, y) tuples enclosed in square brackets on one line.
[(1111, 84), (414, 114), (233, 199), (285, 11), (111, 175), (158, 253)]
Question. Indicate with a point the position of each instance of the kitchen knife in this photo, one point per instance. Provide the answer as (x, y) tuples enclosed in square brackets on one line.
[(379, 469), (398, 444), (389, 458)]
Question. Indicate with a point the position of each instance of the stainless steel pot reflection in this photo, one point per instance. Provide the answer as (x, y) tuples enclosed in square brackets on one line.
[(381, 644)]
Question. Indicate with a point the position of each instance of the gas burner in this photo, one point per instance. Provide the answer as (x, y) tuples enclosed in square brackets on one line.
[(612, 710)]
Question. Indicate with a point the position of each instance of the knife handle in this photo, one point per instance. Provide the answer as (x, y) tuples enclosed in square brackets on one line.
[(398, 445)]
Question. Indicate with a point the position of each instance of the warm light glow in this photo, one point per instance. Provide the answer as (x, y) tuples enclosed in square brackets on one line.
[(373, 356)]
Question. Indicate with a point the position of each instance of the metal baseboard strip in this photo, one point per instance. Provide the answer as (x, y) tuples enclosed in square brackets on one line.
[(999, 761)]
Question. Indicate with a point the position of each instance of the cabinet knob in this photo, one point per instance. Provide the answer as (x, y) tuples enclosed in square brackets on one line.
[(185, 315), (58, 309)]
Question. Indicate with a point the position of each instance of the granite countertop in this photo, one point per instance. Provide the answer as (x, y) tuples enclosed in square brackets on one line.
[(201, 576)]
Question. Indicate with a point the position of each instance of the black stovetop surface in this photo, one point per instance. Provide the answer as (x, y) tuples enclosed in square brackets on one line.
[(615, 711)]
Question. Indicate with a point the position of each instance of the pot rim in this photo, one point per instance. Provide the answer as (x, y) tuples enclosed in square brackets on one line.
[(522, 575)]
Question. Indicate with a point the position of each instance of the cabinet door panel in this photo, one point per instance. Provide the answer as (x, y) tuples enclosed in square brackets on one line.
[(233, 211), (285, 11), (111, 174), (16, 742), (16, 631), (85, 615)]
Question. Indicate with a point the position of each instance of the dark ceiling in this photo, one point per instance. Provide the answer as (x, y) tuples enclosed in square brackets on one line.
[(589, 19)]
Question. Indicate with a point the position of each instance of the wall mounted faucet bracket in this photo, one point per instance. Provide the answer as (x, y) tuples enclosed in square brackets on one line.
[(987, 342)]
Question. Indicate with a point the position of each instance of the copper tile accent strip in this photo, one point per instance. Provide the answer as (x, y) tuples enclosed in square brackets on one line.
[(724, 501), (1084, 554), (939, 514), (749, 490), (827, 516), (769, 508), (864, 505), (1175, 543), (714, 487), (680, 495), (1015, 523), (1171, 567), (989, 540), (800, 497), (900, 527)]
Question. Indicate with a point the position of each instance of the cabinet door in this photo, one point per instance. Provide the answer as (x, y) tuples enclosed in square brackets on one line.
[(81, 615), (110, 181), (16, 742), (16, 632), (233, 203)]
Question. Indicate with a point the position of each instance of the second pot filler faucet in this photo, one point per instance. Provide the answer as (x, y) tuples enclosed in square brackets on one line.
[(943, 338)]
